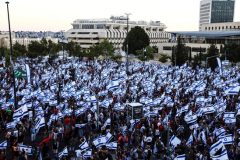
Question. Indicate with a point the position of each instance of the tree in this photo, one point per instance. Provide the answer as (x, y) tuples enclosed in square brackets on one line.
[(232, 52), (146, 54), (137, 39), (35, 49), (106, 48), (19, 50), (212, 51), (74, 49), (179, 53)]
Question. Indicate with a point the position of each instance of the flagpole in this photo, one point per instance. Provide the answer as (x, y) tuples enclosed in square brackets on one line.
[(11, 53)]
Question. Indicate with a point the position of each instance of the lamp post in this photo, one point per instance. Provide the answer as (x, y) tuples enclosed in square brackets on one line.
[(127, 14), (11, 53)]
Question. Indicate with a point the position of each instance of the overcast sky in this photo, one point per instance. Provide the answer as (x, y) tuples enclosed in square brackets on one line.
[(56, 15)]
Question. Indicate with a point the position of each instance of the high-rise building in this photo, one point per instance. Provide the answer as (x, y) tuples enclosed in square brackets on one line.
[(216, 11)]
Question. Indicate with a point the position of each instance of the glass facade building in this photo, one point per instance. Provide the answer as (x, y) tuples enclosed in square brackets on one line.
[(222, 11), (216, 11)]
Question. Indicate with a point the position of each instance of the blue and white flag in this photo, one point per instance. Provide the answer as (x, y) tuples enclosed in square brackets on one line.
[(216, 147), (230, 120), (11, 125), (63, 153), (113, 85), (87, 154), (102, 140), (20, 112), (190, 119), (107, 123), (26, 149), (229, 115), (222, 156), (80, 111), (233, 90), (227, 139), (80, 125), (84, 146), (174, 141), (220, 132), (190, 141), (3, 145), (180, 157), (112, 145), (133, 123), (40, 123), (208, 110)]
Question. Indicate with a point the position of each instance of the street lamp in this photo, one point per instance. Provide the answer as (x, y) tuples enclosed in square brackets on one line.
[(11, 53), (127, 14)]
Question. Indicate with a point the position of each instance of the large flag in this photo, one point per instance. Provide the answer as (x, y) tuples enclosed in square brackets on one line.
[(3, 145), (190, 140), (20, 73)]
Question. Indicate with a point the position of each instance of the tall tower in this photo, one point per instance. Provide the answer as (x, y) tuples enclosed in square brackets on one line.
[(216, 11)]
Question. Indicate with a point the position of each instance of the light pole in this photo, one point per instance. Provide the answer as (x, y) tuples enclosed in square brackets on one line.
[(11, 53), (127, 14)]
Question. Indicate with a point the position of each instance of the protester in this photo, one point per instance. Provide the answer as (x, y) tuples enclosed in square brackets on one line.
[(78, 109)]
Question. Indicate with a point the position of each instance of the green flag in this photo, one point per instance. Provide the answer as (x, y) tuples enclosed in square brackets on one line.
[(20, 73)]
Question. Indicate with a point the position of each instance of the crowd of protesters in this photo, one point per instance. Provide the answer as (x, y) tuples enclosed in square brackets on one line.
[(185, 111)]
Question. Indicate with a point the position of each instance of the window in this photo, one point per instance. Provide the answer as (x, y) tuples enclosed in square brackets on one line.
[(167, 48), (87, 26)]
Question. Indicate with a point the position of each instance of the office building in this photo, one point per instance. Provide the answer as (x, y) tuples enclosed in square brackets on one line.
[(216, 11), (88, 32)]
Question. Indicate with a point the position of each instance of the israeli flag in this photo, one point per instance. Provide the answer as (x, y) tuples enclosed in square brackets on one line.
[(113, 85), (3, 145), (180, 157), (20, 112), (174, 141), (87, 154), (80, 125), (233, 90), (227, 139), (190, 141), (112, 145), (190, 119), (220, 132), (229, 115), (102, 140), (11, 125), (107, 122), (80, 111), (40, 123), (216, 147), (63, 153), (84, 146), (93, 99), (27, 149), (230, 120), (208, 110), (222, 156), (105, 103), (133, 123)]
